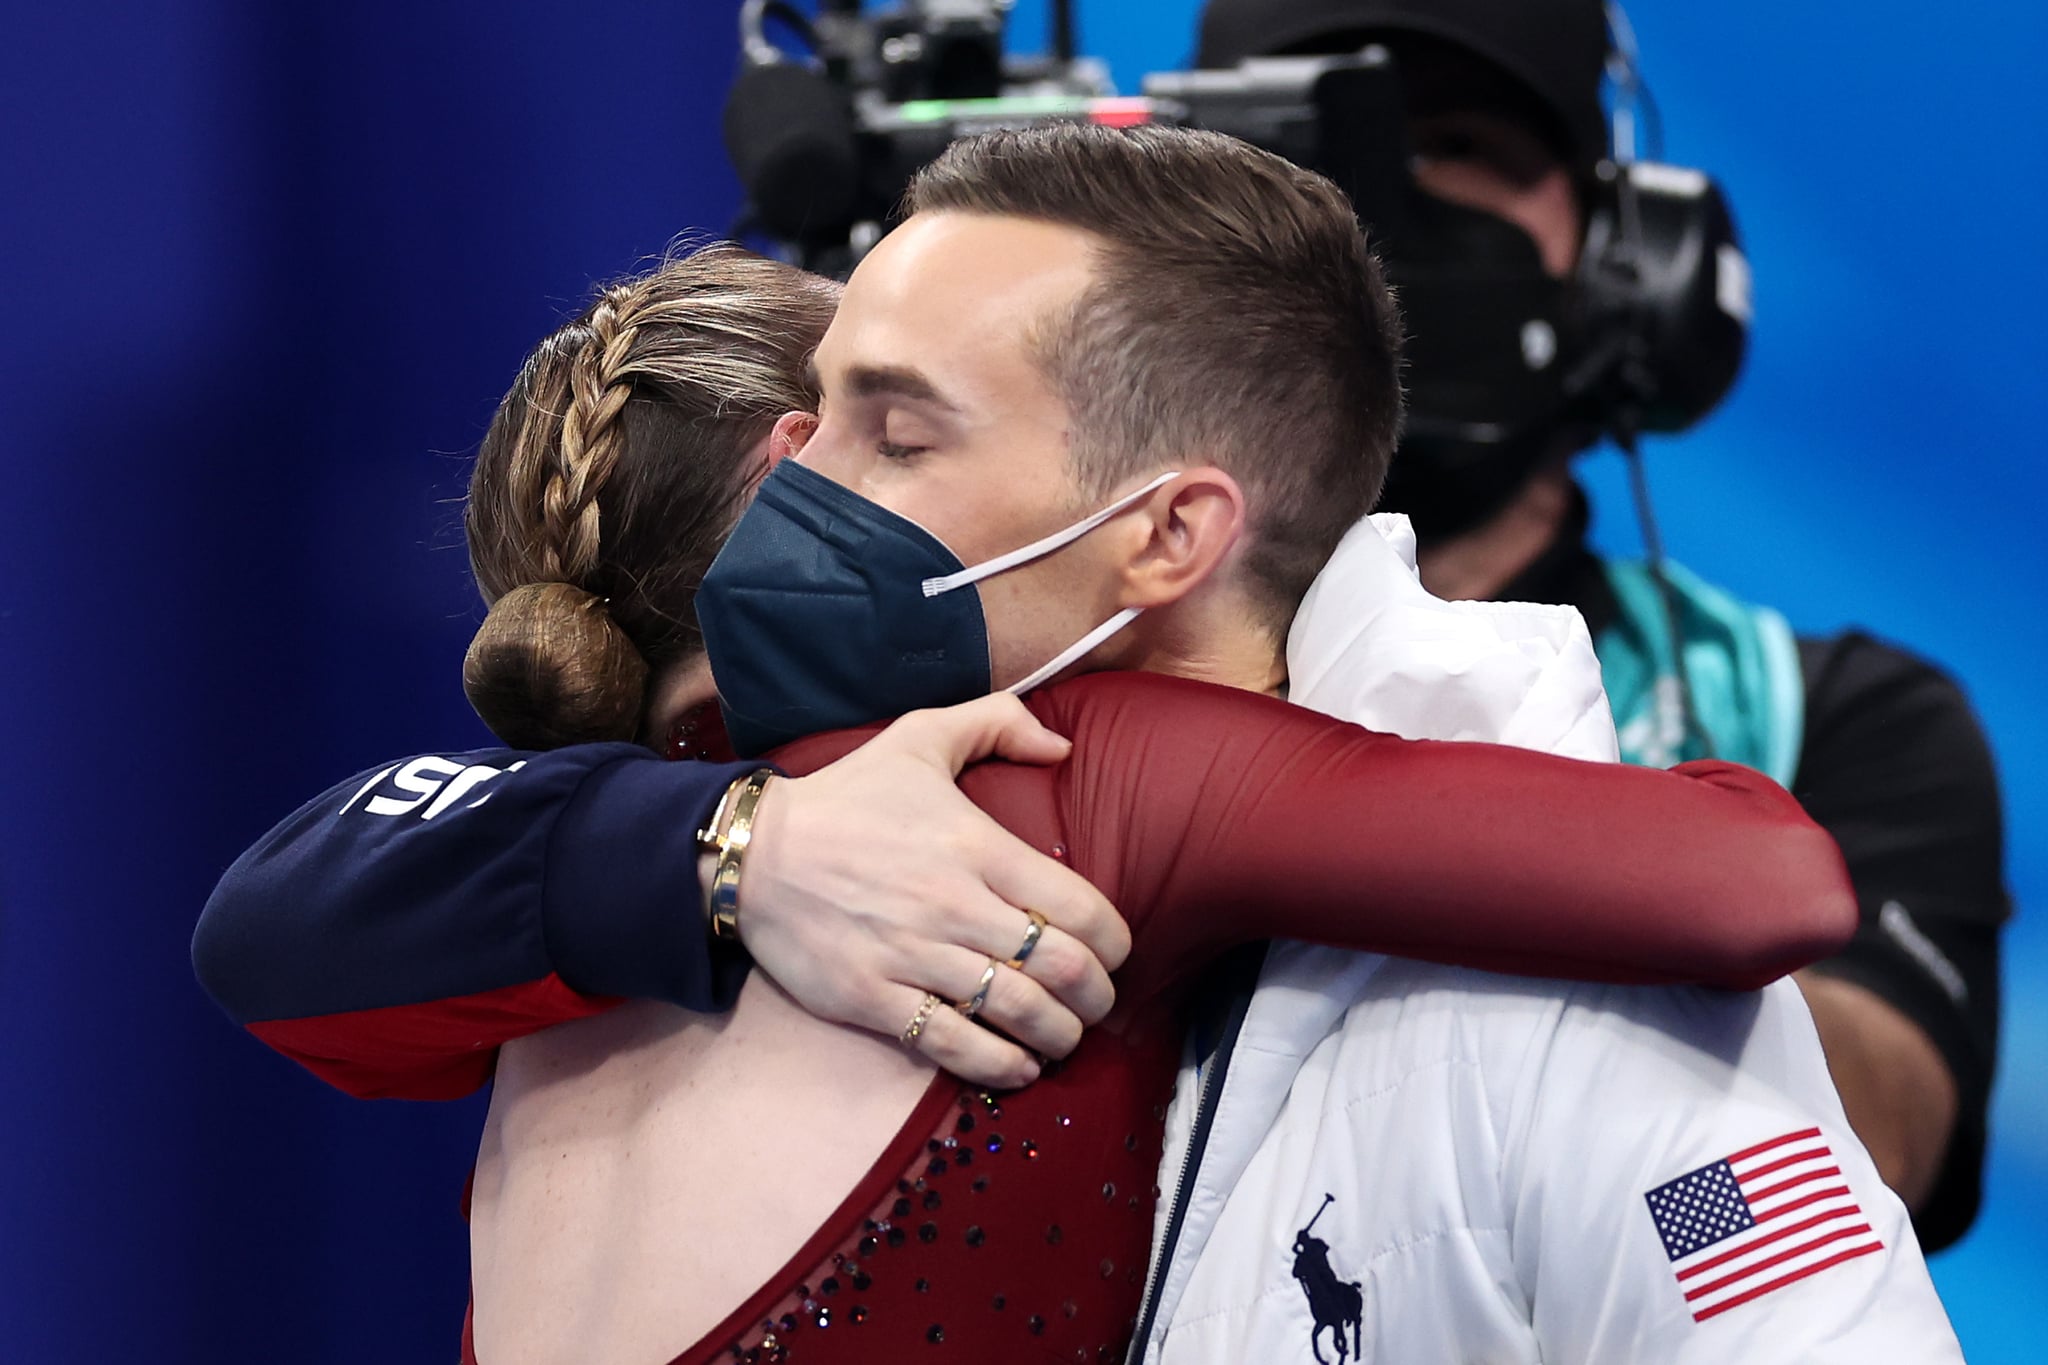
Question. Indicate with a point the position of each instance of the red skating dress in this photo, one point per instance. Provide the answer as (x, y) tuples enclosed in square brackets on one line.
[(1016, 1227)]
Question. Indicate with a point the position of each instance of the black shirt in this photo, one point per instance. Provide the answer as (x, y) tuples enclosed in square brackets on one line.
[(1893, 764)]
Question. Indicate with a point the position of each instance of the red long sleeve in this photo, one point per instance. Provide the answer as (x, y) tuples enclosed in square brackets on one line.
[(1213, 817)]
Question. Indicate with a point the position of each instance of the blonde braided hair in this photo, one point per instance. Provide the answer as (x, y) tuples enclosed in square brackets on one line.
[(612, 473)]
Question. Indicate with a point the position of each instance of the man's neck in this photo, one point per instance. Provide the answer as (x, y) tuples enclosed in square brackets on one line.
[(1218, 639), (1262, 670)]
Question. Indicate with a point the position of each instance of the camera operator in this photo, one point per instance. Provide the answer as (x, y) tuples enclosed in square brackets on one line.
[(1503, 103)]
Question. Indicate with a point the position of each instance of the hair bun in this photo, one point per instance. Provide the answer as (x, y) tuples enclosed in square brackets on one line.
[(549, 667)]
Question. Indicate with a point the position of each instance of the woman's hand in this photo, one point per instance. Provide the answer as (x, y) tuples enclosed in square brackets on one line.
[(874, 881)]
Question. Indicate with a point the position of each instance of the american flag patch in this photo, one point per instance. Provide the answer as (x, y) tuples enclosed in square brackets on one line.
[(1758, 1220)]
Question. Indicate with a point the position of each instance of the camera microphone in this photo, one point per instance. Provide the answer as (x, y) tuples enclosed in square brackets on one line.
[(790, 133)]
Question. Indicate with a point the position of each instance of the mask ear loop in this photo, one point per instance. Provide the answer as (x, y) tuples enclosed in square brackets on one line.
[(1039, 549), (1075, 651)]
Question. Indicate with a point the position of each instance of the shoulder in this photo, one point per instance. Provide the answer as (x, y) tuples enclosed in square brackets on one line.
[(1123, 692), (1558, 1045), (1857, 681), (1122, 712), (1887, 728)]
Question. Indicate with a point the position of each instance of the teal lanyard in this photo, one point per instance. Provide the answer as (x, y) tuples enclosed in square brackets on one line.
[(1741, 666)]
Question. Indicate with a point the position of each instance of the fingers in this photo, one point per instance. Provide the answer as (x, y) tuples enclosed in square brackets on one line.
[(963, 1047), (857, 909), (1068, 972), (1019, 1003), (1027, 1012), (1062, 973), (1068, 900), (994, 725)]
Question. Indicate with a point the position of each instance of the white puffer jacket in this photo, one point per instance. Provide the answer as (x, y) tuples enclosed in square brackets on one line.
[(1388, 1161)]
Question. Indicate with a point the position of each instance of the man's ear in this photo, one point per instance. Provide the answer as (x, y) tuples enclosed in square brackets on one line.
[(1194, 523), (791, 433)]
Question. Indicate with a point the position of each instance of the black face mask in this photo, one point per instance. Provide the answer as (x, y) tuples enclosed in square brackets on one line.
[(1493, 375)]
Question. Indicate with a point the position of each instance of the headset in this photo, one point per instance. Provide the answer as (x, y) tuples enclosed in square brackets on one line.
[(1665, 275), (1662, 276)]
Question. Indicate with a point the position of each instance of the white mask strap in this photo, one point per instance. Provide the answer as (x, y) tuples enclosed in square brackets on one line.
[(1039, 549), (1076, 650)]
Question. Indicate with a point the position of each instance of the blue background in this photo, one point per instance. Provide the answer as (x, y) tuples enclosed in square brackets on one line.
[(267, 268)]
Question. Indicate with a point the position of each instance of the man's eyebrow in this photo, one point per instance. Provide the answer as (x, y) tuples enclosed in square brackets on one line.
[(898, 381)]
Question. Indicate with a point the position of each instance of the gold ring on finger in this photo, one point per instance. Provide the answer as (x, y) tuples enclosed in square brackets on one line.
[(971, 1006), (913, 1030), (1032, 933)]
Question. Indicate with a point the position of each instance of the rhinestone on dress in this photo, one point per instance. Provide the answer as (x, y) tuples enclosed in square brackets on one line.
[(935, 1334), (975, 1236), (1030, 1150)]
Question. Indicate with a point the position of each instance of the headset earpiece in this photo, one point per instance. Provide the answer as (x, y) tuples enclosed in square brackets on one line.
[(1664, 290)]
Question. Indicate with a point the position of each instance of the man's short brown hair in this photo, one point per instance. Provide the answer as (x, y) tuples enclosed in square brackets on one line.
[(1236, 316)]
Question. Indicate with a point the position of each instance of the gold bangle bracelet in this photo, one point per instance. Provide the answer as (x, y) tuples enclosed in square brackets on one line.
[(711, 838), (732, 853)]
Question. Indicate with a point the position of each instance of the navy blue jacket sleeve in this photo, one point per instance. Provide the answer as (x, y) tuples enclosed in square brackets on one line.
[(395, 930)]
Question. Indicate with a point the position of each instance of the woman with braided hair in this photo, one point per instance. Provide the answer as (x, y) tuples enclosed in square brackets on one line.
[(623, 454), (771, 1185)]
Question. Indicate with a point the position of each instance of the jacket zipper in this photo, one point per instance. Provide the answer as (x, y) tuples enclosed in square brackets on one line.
[(1198, 1140)]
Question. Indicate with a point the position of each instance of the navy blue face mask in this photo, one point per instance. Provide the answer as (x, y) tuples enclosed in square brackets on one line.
[(825, 610)]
